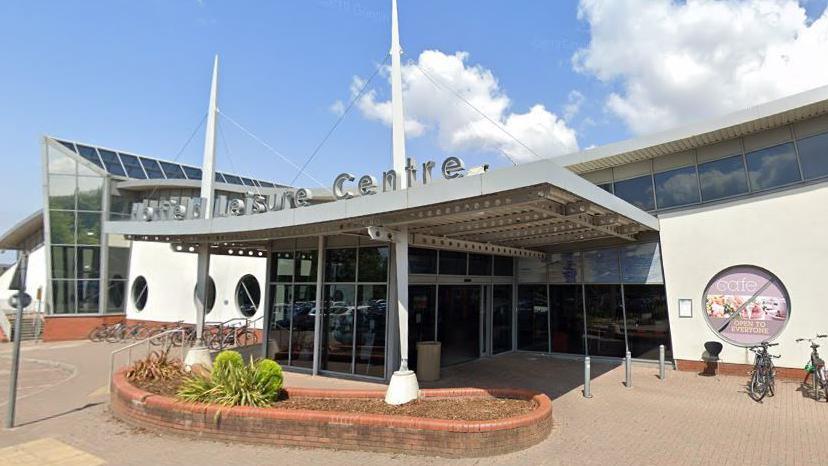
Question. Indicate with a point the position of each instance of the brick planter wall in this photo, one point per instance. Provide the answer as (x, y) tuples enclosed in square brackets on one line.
[(338, 430)]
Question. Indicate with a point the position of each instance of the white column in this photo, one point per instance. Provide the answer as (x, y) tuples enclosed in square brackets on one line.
[(401, 256), (398, 117), (208, 166), (202, 288), (317, 321)]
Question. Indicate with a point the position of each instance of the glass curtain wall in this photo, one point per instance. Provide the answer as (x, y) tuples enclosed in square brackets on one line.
[(355, 310), (293, 307)]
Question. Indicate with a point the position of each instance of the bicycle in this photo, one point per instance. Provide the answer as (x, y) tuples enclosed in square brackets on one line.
[(230, 336), (762, 381), (816, 366)]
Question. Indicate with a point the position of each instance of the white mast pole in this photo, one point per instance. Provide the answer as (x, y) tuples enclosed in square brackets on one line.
[(403, 386), (208, 166)]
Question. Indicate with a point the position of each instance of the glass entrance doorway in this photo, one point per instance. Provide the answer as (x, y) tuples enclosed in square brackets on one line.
[(458, 323)]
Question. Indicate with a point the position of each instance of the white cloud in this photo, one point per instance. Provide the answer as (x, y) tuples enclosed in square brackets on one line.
[(573, 104), (678, 62), (459, 127)]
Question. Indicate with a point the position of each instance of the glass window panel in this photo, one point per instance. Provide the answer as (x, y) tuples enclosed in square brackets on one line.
[(605, 320), (220, 178), (62, 191), (422, 301), (89, 228), (647, 324), (373, 264), (113, 165), (813, 156), (422, 260), (340, 265), (88, 296), (89, 262), (338, 328), (192, 172), (68, 145), (304, 316), (280, 315), (533, 318), (723, 178), (116, 296), (772, 167), (63, 262), (89, 154), (233, 179), (480, 264), (151, 167), (62, 226), (248, 182), (504, 266), (133, 166), (281, 267), (63, 296), (641, 263), (564, 267), (370, 330), (90, 193), (601, 266), (677, 187), (248, 295), (501, 318), (60, 163), (173, 171), (458, 323), (452, 263), (637, 191), (606, 187), (566, 318), (118, 262), (305, 270), (140, 293), (266, 184), (121, 206)]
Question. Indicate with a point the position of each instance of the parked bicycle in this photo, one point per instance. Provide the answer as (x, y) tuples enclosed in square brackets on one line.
[(763, 377), (229, 336), (119, 331), (816, 368)]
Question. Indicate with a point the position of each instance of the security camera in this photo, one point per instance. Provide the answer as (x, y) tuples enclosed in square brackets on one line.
[(381, 234)]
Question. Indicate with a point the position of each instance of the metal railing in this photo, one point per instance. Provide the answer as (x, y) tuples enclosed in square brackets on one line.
[(164, 339), (221, 327)]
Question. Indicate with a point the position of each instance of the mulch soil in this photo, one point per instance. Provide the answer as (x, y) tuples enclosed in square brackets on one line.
[(458, 409)]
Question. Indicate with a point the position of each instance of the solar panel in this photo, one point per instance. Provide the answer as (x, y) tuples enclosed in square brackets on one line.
[(90, 154), (266, 184), (220, 178), (192, 172), (68, 145), (233, 179), (132, 166), (110, 160), (151, 167), (173, 171), (248, 182)]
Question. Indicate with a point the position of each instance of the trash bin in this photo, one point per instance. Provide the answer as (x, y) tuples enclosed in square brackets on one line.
[(428, 361)]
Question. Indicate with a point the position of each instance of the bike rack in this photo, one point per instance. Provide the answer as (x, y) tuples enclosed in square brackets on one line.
[(166, 335)]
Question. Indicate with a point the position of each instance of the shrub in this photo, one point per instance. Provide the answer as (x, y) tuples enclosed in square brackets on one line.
[(232, 383), (157, 366)]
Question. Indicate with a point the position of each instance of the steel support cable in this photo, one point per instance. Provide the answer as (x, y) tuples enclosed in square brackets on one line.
[(269, 147), (230, 156), (481, 113), (341, 117), (183, 148)]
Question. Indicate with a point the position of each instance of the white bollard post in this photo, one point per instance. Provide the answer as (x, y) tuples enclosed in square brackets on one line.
[(628, 369), (587, 378), (661, 362)]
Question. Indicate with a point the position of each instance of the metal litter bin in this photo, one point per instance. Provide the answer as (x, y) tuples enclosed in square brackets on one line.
[(428, 360)]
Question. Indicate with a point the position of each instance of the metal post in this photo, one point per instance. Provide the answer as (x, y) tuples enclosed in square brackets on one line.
[(661, 362), (587, 378), (18, 328), (320, 305), (628, 369)]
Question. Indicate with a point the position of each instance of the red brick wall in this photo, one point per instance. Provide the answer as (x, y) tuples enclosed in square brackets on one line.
[(724, 368), (344, 431), (60, 328)]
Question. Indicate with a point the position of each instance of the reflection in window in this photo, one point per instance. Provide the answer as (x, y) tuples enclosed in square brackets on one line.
[(63, 296), (303, 314), (647, 324), (116, 292), (501, 318), (281, 267), (504, 266), (422, 260), (338, 328), (723, 178), (89, 292), (90, 191), (677, 187), (637, 191), (370, 330), (452, 263), (605, 320), (89, 228), (533, 318), (480, 264), (62, 192), (641, 263), (89, 259), (118, 260), (63, 262), (248, 295), (280, 317), (566, 315), (62, 227), (340, 265), (60, 163), (564, 267), (373, 264), (772, 167), (305, 270), (601, 266), (813, 156)]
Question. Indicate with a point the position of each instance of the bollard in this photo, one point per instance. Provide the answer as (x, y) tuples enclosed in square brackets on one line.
[(661, 362), (628, 369), (587, 391)]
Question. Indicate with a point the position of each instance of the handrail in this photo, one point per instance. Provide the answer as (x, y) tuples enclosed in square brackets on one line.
[(146, 342)]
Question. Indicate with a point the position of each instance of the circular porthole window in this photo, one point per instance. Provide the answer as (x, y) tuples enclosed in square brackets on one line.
[(248, 295), (211, 295), (746, 305), (140, 291)]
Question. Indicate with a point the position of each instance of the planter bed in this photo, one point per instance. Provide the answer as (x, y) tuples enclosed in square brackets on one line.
[(366, 425)]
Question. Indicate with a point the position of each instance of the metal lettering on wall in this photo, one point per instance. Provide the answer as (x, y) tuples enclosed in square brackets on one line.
[(345, 186)]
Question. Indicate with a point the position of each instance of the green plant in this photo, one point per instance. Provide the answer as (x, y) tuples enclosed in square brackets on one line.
[(232, 383), (157, 366)]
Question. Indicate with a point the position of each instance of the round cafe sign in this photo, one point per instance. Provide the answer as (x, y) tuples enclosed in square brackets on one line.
[(746, 305)]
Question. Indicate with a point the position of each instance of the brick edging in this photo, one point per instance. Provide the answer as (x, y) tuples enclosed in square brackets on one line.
[(340, 430), (741, 370)]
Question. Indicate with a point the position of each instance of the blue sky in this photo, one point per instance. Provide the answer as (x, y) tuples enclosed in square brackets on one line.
[(135, 76)]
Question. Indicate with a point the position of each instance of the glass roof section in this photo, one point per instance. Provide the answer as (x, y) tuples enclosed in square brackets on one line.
[(132, 166)]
